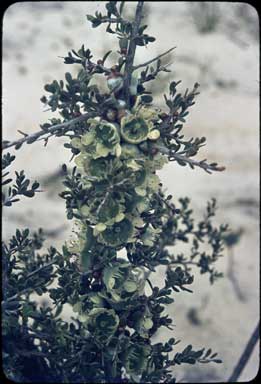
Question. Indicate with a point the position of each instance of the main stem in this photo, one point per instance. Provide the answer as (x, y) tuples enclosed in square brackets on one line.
[(131, 52)]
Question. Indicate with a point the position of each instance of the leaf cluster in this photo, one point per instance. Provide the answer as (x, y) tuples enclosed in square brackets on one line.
[(21, 186)]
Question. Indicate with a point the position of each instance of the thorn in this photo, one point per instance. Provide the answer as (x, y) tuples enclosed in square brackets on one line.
[(22, 133)]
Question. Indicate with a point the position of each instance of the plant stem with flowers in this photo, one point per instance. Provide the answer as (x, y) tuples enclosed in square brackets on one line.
[(124, 226)]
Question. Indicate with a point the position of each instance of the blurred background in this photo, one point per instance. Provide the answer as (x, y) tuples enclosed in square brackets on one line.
[(217, 46)]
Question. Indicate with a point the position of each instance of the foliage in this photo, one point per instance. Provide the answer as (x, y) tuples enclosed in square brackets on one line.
[(21, 186), (118, 140)]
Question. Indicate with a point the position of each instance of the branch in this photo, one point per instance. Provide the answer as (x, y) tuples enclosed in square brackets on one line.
[(23, 292), (245, 356), (120, 182), (202, 164), (131, 51), (26, 290), (51, 130), (40, 269), (103, 201), (152, 75), (93, 68), (154, 59), (114, 20)]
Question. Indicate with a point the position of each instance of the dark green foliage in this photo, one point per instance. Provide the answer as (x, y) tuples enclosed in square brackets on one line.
[(20, 187), (191, 357), (118, 140)]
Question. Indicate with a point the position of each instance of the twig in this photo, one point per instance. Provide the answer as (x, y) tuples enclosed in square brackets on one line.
[(202, 164), (150, 284), (22, 133), (153, 74), (35, 136), (117, 20), (245, 355), (171, 207), (152, 60), (95, 68), (26, 290), (40, 269), (23, 292), (120, 182), (103, 202), (131, 52)]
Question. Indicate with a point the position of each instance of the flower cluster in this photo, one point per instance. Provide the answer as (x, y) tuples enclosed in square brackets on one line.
[(118, 175), (118, 172), (122, 282)]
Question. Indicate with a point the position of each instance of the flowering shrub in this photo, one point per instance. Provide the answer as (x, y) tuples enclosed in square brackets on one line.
[(119, 140)]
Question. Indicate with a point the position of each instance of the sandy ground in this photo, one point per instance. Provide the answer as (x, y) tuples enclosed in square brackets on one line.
[(225, 62)]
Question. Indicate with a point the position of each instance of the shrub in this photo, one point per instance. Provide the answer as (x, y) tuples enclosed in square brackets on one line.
[(119, 140)]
